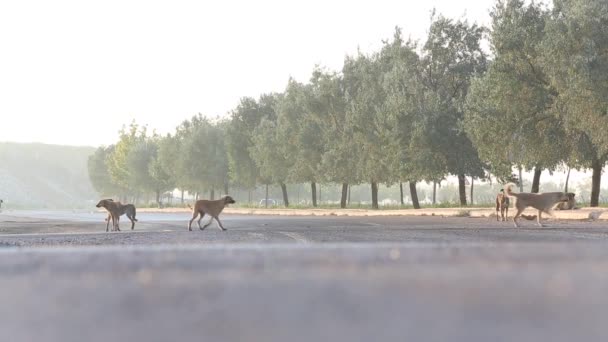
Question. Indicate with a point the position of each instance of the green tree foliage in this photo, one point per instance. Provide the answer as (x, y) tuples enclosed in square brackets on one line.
[(327, 105), (244, 119), (99, 174), (372, 123), (509, 109), (576, 60), (451, 58), (298, 132)]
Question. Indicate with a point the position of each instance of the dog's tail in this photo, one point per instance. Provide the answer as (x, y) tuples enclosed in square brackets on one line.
[(509, 191)]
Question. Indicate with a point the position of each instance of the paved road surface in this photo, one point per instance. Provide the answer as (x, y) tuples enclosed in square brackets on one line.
[(301, 279)]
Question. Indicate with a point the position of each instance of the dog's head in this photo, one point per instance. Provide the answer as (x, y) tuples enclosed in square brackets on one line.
[(229, 200), (104, 203), (566, 196)]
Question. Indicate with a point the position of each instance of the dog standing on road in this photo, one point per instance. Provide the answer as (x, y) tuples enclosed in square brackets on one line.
[(502, 205), (543, 202), (115, 210), (213, 208)]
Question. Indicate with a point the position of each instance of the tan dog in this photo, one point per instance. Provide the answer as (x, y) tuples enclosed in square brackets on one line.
[(213, 208), (115, 210), (570, 205), (502, 205), (543, 202)]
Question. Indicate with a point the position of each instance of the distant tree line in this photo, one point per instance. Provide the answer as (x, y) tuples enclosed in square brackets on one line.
[(407, 113)]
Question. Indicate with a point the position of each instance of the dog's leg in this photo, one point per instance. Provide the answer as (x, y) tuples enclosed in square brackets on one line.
[(208, 223), (117, 223), (519, 211), (132, 222), (108, 222), (220, 223), (194, 215), (538, 218), (507, 212), (200, 219)]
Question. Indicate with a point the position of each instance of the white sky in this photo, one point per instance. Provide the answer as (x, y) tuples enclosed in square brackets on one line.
[(73, 72)]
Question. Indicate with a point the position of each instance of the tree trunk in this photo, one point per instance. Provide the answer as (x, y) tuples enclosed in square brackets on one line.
[(226, 188), (536, 180), (462, 190), (401, 193), (596, 178), (472, 179), (349, 194), (521, 179), (434, 192), (249, 196), (320, 198), (567, 179), (414, 195), (158, 198), (266, 199), (212, 194), (374, 195), (313, 191), (182, 197), (284, 190), (344, 194)]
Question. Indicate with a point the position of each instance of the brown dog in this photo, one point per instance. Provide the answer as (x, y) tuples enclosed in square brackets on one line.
[(115, 210), (543, 202), (570, 205), (213, 208), (502, 205)]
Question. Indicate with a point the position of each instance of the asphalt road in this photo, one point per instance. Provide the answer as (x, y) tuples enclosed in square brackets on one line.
[(301, 279)]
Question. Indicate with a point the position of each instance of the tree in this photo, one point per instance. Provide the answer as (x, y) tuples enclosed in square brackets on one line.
[(327, 105), (267, 151), (451, 58), (298, 132), (269, 155), (244, 119), (99, 174), (509, 109), (576, 60), (407, 102), (119, 165), (372, 122)]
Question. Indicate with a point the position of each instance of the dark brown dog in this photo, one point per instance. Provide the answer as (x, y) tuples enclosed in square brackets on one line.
[(502, 205), (543, 202), (213, 208), (115, 210)]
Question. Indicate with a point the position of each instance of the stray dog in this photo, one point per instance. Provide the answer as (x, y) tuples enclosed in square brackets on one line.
[(115, 210), (570, 205), (543, 202), (213, 208), (502, 205)]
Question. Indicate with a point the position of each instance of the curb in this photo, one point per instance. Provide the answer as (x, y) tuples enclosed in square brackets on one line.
[(578, 214)]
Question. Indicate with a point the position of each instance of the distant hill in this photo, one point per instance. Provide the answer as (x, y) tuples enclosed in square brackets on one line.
[(45, 176)]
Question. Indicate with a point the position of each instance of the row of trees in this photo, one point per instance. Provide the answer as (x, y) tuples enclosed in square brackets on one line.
[(409, 112)]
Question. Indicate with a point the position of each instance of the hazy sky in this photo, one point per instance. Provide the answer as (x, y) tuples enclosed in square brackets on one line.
[(72, 72)]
